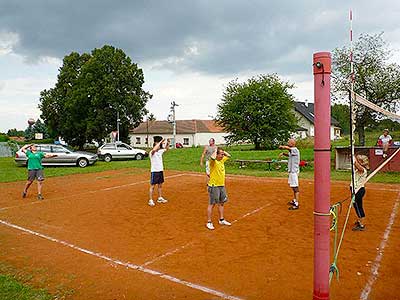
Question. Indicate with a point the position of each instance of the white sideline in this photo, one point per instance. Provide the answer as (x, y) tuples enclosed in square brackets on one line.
[(191, 243), (88, 192), (127, 264), (375, 266)]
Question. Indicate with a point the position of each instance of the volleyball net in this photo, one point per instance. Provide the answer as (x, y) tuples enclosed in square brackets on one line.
[(355, 100)]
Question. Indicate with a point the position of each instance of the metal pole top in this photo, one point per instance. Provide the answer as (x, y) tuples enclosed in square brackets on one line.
[(322, 63)]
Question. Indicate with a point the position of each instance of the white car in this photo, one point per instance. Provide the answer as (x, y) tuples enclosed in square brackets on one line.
[(110, 151)]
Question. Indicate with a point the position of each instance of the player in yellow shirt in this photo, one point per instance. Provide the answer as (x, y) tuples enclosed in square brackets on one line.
[(216, 186)]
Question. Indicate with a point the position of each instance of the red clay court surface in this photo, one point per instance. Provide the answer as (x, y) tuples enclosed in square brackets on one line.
[(95, 235)]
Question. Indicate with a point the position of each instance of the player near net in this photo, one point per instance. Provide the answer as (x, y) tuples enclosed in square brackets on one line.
[(293, 169), (207, 152), (361, 165)]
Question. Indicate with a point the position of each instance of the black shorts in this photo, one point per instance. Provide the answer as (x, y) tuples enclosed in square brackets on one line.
[(157, 177), (37, 173)]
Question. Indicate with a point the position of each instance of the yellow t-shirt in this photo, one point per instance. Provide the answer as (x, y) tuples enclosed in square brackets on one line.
[(217, 172)]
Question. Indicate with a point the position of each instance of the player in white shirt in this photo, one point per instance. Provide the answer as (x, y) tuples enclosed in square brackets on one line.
[(157, 170)]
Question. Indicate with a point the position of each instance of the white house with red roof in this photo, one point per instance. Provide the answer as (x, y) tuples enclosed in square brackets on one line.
[(188, 132)]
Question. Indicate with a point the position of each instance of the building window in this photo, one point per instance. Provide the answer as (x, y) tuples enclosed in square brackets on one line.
[(146, 140), (186, 141), (138, 140)]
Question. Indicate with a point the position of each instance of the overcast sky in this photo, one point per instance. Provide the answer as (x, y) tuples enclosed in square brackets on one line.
[(188, 50)]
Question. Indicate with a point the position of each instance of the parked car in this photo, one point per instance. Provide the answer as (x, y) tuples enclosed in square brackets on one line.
[(65, 156), (110, 151)]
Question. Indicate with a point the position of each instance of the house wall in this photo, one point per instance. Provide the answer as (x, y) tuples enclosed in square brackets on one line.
[(303, 122), (335, 132), (187, 140), (202, 138)]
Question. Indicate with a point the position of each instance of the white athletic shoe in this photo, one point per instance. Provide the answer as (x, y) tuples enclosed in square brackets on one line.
[(151, 202), (162, 200), (224, 222), (210, 226)]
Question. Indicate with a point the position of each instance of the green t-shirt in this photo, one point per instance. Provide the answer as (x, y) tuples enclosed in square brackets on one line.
[(34, 160)]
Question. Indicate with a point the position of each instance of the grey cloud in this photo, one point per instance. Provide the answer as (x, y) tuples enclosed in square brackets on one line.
[(225, 36)]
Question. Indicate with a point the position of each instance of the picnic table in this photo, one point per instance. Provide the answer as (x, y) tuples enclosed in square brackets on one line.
[(244, 162)]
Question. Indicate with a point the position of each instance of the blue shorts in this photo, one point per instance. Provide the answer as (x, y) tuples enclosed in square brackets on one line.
[(157, 177)]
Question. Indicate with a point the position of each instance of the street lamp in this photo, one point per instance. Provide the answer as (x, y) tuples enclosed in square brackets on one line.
[(118, 126), (173, 104)]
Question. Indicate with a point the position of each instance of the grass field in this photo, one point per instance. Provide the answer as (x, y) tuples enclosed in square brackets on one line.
[(188, 159), (12, 289)]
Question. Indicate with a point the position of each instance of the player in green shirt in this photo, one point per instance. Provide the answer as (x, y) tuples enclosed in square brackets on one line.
[(35, 168)]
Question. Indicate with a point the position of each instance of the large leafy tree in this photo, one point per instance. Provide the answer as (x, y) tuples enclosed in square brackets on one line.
[(341, 112), (92, 92), (376, 78), (259, 110)]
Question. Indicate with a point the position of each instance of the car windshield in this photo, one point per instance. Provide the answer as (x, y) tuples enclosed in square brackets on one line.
[(123, 147), (69, 148), (59, 149)]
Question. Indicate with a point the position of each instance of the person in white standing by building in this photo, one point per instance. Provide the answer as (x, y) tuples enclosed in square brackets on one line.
[(157, 170), (293, 169)]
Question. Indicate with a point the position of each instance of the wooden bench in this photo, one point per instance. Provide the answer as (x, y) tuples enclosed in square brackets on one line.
[(244, 162)]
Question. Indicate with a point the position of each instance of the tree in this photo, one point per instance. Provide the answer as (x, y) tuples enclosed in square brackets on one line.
[(15, 132), (92, 92), (151, 117), (341, 112), (38, 127), (259, 110), (375, 78)]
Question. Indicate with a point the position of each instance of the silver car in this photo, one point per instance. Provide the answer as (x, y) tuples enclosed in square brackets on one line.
[(65, 156), (110, 151)]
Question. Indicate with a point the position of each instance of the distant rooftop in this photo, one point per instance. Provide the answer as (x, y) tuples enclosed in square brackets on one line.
[(182, 127), (307, 110)]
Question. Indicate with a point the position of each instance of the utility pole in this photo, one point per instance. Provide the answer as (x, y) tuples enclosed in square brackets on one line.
[(173, 104), (118, 125), (147, 130)]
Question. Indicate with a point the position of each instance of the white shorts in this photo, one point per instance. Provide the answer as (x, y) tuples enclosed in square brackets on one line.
[(293, 179), (208, 167)]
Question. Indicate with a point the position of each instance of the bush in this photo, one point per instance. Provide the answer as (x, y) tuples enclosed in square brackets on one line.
[(44, 141), (307, 142), (4, 138)]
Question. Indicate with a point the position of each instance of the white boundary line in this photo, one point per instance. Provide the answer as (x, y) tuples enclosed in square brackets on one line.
[(364, 294), (240, 177), (126, 264), (191, 243), (88, 192), (375, 266)]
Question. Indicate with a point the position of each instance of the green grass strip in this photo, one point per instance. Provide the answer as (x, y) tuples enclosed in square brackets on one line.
[(11, 289)]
